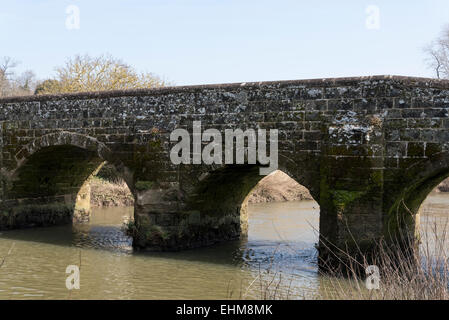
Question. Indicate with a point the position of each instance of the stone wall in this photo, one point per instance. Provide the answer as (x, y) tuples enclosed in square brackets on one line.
[(347, 140)]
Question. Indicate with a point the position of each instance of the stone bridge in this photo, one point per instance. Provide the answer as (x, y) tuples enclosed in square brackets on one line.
[(369, 150)]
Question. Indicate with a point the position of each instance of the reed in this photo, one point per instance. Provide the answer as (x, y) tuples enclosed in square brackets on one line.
[(419, 273)]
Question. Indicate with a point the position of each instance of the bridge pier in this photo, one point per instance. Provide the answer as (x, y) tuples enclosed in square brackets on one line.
[(349, 234), (165, 220)]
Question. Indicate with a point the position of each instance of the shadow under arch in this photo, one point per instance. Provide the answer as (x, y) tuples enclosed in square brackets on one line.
[(66, 138), (224, 191), (42, 189), (237, 181)]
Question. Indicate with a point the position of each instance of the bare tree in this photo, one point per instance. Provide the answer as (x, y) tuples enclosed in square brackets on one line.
[(10, 83), (6, 66), (86, 73), (438, 55), (26, 82)]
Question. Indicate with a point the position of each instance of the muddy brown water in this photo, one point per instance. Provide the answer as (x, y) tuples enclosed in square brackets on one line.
[(280, 247)]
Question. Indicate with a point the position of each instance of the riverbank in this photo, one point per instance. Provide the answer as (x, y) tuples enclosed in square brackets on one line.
[(108, 194), (277, 187), (443, 186)]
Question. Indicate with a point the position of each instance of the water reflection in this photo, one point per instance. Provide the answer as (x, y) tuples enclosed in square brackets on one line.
[(281, 239)]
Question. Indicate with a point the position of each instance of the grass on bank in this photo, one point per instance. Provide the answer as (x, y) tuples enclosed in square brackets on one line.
[(105, 193)]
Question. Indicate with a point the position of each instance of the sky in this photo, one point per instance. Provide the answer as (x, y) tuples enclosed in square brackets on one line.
[(220, 41)]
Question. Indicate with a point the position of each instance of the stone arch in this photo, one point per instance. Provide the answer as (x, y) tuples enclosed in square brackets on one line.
[(204, 206), (241, 179), (304, 176), (61, 138), (222, 192), (415, 183), (49, 173), (305, 172)]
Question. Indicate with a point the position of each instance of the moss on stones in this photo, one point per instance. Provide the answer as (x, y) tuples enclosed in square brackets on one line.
[(144, 185), (343, 198)]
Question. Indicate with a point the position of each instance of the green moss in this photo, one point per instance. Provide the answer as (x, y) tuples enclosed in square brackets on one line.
[(342, 198), (144, 185), (377, 178), (145, 233), (401, 215), (147, 160), (155, 233), (155, 144)]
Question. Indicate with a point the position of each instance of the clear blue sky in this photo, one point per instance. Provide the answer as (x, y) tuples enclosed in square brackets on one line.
[(214, 41)]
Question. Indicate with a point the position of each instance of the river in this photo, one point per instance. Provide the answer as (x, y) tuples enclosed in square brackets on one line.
[(278, 259)]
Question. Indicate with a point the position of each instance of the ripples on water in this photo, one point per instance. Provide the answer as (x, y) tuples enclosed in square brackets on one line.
[(281, 239)]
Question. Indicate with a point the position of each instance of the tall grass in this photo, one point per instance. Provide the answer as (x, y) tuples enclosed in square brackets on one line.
[(408, 270)]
